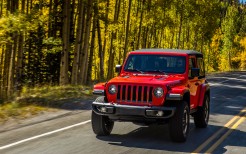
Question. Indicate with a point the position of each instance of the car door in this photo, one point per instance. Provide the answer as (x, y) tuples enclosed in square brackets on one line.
[(201, 77), (194, 83)]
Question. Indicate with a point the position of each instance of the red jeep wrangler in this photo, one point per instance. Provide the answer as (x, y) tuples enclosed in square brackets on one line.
[(155, 86)]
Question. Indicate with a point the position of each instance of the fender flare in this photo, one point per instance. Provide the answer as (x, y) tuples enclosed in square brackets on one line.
[(204, 90), (177, 94)]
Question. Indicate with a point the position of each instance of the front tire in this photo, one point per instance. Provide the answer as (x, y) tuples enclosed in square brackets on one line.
[(101, 125), (179, 124), (201, 117)]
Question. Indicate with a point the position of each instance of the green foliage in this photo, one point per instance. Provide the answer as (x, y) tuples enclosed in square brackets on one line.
[(53, 45), (12, 24)]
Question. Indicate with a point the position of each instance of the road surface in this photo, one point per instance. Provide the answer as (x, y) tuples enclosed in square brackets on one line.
[(226, 132)]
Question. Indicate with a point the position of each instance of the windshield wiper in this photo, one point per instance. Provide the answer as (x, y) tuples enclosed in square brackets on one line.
[(161, 71), (140, 71)]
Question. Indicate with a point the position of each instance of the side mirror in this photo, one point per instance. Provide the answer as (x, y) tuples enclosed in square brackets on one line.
[(195, 72), (118, 68)]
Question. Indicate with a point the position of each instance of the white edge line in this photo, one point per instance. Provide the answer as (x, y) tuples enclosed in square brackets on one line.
[(42, 135)]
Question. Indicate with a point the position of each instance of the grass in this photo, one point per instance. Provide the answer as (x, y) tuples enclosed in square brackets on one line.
[(33, 101)]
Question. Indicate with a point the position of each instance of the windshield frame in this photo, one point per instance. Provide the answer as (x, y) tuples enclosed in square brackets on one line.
[(159, 71)]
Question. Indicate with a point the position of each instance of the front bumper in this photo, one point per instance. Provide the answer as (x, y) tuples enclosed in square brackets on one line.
[(121, 111)]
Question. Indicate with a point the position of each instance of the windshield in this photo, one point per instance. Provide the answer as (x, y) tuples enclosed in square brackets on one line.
[(155, 63)]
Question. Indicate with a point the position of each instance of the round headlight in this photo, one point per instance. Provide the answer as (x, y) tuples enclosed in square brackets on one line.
[(158, 92), (112, 89)]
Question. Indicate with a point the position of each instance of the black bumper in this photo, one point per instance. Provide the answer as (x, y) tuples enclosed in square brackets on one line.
[(121, 111)]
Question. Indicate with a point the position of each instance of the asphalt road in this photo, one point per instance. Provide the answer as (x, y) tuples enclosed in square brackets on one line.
[(226, 132)]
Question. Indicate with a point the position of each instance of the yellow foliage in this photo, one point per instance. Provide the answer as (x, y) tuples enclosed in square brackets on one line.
[(243, 42), (243, 60), (242, 56), (216, 38), (214, 60), (224, 65)]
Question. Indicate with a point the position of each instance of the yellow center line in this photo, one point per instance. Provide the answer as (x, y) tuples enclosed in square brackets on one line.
[(211, 138), (216, 144)]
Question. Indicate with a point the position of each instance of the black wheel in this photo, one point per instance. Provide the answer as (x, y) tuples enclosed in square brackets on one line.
[(101, 125), (179, 124), (201, 117)]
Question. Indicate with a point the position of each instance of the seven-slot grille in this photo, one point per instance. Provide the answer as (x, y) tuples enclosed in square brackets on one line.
[(134, 93)]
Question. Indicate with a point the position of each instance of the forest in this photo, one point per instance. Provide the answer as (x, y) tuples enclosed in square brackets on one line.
[(79, 42)]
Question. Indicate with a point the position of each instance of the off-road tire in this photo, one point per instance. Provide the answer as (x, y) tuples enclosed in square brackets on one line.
[(101, 125), (179, 124), (201, 117)]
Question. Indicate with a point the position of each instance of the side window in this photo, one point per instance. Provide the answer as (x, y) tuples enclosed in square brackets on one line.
[(201, 66), (192, 64)]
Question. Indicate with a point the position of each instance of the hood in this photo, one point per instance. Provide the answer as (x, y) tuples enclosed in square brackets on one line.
[(148, 79)]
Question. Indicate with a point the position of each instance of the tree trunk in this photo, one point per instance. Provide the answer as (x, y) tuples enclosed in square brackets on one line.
[(27, 6), (1, 8), (172, 39), (161, 39), (195, 41), (188, 37), (145, 37), (229, 59), (111, 53), (84, 60), (78, 44), (180, 24), (102, 72), (156, 42), (81, 51), (12, 6), (19, 68), (23, 6), (6, 69), (12, 67), (140, 26), (2, 71), (113, 36), (66, 44), (72, 22), (50, 21), (183, 40), (101, 52), (127, 29), (88, 81)]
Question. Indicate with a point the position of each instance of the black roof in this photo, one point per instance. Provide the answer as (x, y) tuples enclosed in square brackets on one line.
[(189, 52)]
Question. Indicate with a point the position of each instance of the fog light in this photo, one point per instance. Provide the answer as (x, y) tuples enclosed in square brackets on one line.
[(102, 109), (155, 113), (159, 113)]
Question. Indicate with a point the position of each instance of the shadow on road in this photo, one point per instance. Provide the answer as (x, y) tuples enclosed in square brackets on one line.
[(157, 138)]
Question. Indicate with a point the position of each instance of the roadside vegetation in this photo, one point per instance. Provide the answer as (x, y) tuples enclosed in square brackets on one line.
[(33, 101), (63, 42), (75, 42)]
